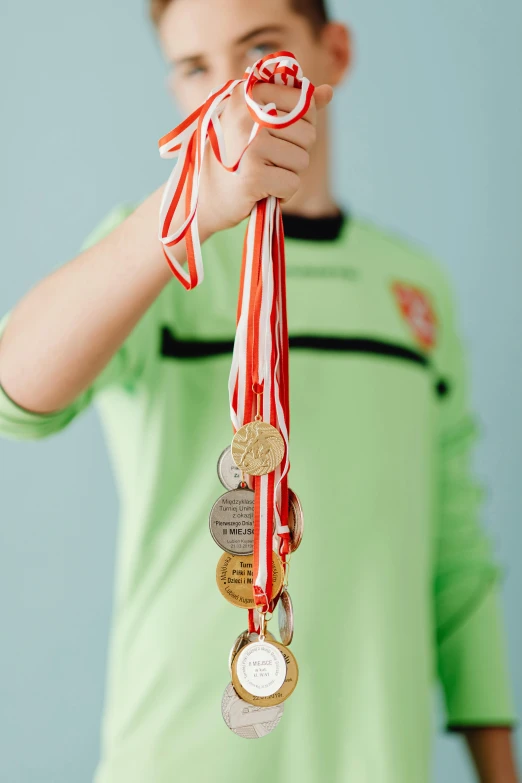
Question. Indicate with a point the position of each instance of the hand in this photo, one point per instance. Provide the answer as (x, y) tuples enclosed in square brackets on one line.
[(272, 165)]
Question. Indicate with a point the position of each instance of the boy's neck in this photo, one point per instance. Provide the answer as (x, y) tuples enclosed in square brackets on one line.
[(315, 198)]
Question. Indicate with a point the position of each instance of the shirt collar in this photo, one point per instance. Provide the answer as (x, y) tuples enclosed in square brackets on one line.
[(320, 229)]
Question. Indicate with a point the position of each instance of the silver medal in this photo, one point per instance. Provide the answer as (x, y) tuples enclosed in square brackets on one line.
[(231, 521), (285, 617), (260, 668), (240, 642), (247, 720), (228, 472)]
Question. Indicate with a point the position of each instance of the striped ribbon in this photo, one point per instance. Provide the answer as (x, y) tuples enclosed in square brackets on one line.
[(260, 355)]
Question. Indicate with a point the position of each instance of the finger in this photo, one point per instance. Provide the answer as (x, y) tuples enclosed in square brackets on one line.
[(322, 96), (280, 153), (286, 98), (280, 183), (301, 133)]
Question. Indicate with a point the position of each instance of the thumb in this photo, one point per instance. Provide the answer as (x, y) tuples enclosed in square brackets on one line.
[(323, 95)]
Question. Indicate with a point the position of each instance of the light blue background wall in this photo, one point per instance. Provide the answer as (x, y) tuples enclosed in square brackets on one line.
[(431, 125)]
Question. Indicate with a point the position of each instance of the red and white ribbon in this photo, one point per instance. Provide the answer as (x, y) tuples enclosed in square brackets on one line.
[(260, 355)]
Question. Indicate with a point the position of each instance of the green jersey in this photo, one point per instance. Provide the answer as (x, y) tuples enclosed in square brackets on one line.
[(394, 584)]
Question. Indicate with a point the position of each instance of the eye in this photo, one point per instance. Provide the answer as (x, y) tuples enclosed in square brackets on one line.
[(262, 49), (195, 70)]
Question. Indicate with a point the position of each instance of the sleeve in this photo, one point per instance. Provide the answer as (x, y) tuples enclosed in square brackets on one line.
[(471, 644), (17, 423)]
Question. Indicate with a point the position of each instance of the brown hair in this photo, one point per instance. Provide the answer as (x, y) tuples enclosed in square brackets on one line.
[(314, 10)]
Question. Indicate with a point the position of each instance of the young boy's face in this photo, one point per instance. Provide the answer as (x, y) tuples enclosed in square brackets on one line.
[(208, 42)]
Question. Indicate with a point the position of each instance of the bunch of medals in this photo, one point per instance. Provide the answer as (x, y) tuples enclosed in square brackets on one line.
[(264, 671), (258, 521)]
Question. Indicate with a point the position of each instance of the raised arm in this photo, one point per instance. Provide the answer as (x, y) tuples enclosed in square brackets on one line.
[(64, 331)]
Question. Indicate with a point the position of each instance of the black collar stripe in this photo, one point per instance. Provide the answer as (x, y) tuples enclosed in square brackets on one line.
[(318, 229)]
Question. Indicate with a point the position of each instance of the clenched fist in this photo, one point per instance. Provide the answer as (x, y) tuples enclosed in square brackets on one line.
[(271, 166)]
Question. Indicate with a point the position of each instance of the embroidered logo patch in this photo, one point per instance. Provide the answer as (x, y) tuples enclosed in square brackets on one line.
[(416, 309)]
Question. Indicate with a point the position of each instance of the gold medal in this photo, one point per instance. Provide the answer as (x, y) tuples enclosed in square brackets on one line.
[(235, 578), (257, 448), (283, 692)]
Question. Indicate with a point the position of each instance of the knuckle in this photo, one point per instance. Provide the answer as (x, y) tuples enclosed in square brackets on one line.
[(290, 183), (311, 135), (247, 171), (256, 150), (305, 135), (254, 181), (295, 181), (260, 140), (303, 160), (250, 168), (312, 118)]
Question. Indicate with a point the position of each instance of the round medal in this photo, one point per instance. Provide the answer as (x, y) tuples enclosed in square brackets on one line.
[(231, 521), (240, 642), (285, 617), (295, 520), (228, 472), (253, 637), (247, 720), (257, 448), (286, 689), (235, 578), (259, 668)]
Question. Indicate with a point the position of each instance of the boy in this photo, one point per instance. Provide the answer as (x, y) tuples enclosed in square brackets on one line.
[(394, 579)]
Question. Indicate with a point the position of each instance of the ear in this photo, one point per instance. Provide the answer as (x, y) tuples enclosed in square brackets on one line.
[(336, 39)]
